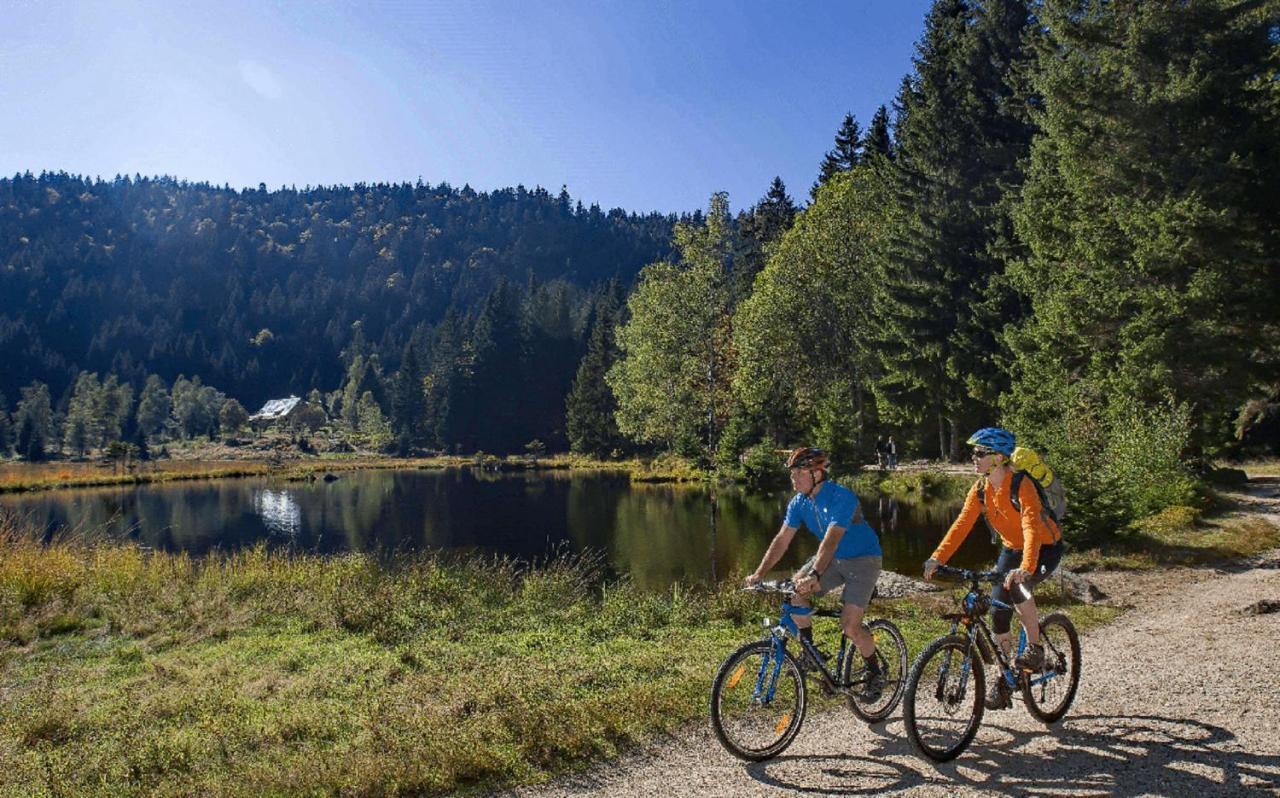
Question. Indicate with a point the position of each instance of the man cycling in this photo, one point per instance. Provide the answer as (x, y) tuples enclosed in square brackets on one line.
[(848, 553), (1031, 541)]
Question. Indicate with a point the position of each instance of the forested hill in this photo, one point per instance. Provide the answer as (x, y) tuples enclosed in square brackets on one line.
[(262, 293)]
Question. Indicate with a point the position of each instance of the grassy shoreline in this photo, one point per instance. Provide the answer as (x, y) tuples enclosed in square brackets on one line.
[(126, 672), (18, 477)]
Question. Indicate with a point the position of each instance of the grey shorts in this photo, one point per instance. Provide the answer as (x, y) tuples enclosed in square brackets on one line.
[(857, 574)]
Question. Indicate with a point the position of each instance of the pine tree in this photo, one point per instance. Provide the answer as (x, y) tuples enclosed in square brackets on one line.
[(154, 407), (33, 420), (878, 141), (590, 405), (80, 429), (408, 397), (761, 228), (959, 139), (1149, 213), (845, 156)]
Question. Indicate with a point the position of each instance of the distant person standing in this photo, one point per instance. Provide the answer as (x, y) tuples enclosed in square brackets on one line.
[(891, 453), (882, 453)]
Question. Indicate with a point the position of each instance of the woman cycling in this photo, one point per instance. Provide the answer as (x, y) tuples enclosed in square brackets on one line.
[(1032, 545)]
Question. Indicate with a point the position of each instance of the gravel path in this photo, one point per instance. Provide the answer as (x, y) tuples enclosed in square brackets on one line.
[(1179, 697)]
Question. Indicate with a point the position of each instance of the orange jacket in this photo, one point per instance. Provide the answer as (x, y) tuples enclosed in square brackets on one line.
[(1027, 531)]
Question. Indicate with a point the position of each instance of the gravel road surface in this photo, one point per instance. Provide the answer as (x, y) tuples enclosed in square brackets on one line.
[(1178, 697)]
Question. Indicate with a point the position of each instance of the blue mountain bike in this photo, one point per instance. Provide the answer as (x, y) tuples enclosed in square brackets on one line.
[(944, 699), (758, 698)]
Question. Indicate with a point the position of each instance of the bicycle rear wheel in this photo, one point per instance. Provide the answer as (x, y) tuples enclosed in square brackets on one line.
[(1049, 693), (891, 654), (757, 703), (942, 706)]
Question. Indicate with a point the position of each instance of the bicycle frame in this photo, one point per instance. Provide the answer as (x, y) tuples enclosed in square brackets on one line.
[(975, 604), (767, 679)]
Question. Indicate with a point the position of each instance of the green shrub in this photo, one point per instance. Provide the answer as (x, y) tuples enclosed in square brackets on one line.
[(1120, 461)]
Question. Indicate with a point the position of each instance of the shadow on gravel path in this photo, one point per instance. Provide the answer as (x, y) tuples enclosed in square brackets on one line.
[(1089, 755)]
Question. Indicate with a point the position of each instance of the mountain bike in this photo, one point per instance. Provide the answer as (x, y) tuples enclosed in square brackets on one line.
[(943, 705), (759, 698)]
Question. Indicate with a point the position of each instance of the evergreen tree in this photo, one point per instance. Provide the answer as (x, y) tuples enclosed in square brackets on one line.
[(961, 135), (491, 412), (444, 380), (846, 155), (878, 141), (112, 408), (154, 407), (6, 429), (408, 397), (33, 419), (1149, 213), (81, 427), (761, 228), (590, 405)]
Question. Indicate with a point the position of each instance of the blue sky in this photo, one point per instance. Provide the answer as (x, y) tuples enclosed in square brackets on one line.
[(640, 105)]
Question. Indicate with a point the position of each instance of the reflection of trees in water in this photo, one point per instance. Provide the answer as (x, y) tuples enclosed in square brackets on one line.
[(656, 533), (662, 534)]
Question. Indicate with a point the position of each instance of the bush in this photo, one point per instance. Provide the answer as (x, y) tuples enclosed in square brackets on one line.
[(1119, 460), (762, 467)]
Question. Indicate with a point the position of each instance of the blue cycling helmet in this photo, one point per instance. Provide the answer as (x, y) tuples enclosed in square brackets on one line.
[(995, 439)]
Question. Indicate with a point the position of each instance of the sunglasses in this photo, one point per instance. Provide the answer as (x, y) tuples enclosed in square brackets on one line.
[(980, 452)]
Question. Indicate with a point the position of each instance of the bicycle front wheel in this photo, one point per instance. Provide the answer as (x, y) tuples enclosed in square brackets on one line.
[(942, 706), (873, 702), (1049, 693), (757, 701)]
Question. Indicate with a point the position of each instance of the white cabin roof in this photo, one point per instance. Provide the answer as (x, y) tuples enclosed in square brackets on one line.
[(276, 408)]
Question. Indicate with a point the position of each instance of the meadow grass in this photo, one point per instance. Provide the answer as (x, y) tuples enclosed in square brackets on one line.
[(129, 672), (1179, 535)]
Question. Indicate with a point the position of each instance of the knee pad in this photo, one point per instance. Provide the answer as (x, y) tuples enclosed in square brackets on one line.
[(1001, 620)]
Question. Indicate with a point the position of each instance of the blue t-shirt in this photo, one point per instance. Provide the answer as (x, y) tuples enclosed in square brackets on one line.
[(834, 504)]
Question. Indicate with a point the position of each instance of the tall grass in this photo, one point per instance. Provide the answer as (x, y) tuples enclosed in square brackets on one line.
[(128, 672), (132, 672)]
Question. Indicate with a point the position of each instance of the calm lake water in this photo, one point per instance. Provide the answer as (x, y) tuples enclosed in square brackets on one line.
[(656, 534)]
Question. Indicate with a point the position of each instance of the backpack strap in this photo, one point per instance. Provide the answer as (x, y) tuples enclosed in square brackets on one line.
[(981, 485), (1046, 513)]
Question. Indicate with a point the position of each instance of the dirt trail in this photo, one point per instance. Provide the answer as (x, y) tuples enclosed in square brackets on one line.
[(1179, 697)]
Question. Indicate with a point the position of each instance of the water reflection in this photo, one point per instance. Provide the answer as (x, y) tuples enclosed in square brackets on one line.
[(280, 513), (656, 534)]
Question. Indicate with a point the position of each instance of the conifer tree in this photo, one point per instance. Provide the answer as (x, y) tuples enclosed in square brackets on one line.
[(154, 407), (959, 139), (408, 398), (761, 228), (1149, 213), (33, 420), (878, 141), (6, 429), (845, 155), (590, 405)]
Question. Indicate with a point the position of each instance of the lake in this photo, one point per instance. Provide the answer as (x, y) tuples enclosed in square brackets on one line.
[(656, 534)]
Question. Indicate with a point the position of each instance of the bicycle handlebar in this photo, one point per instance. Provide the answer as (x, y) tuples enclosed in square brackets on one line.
[(772, 586), (967, 575)]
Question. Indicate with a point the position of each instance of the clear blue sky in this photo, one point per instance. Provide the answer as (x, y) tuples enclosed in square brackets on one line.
[(630, 103)]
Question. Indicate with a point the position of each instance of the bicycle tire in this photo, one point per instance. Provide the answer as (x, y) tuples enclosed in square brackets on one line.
[(926, 730), (891, 651), (1062, 658), (740, 721)]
